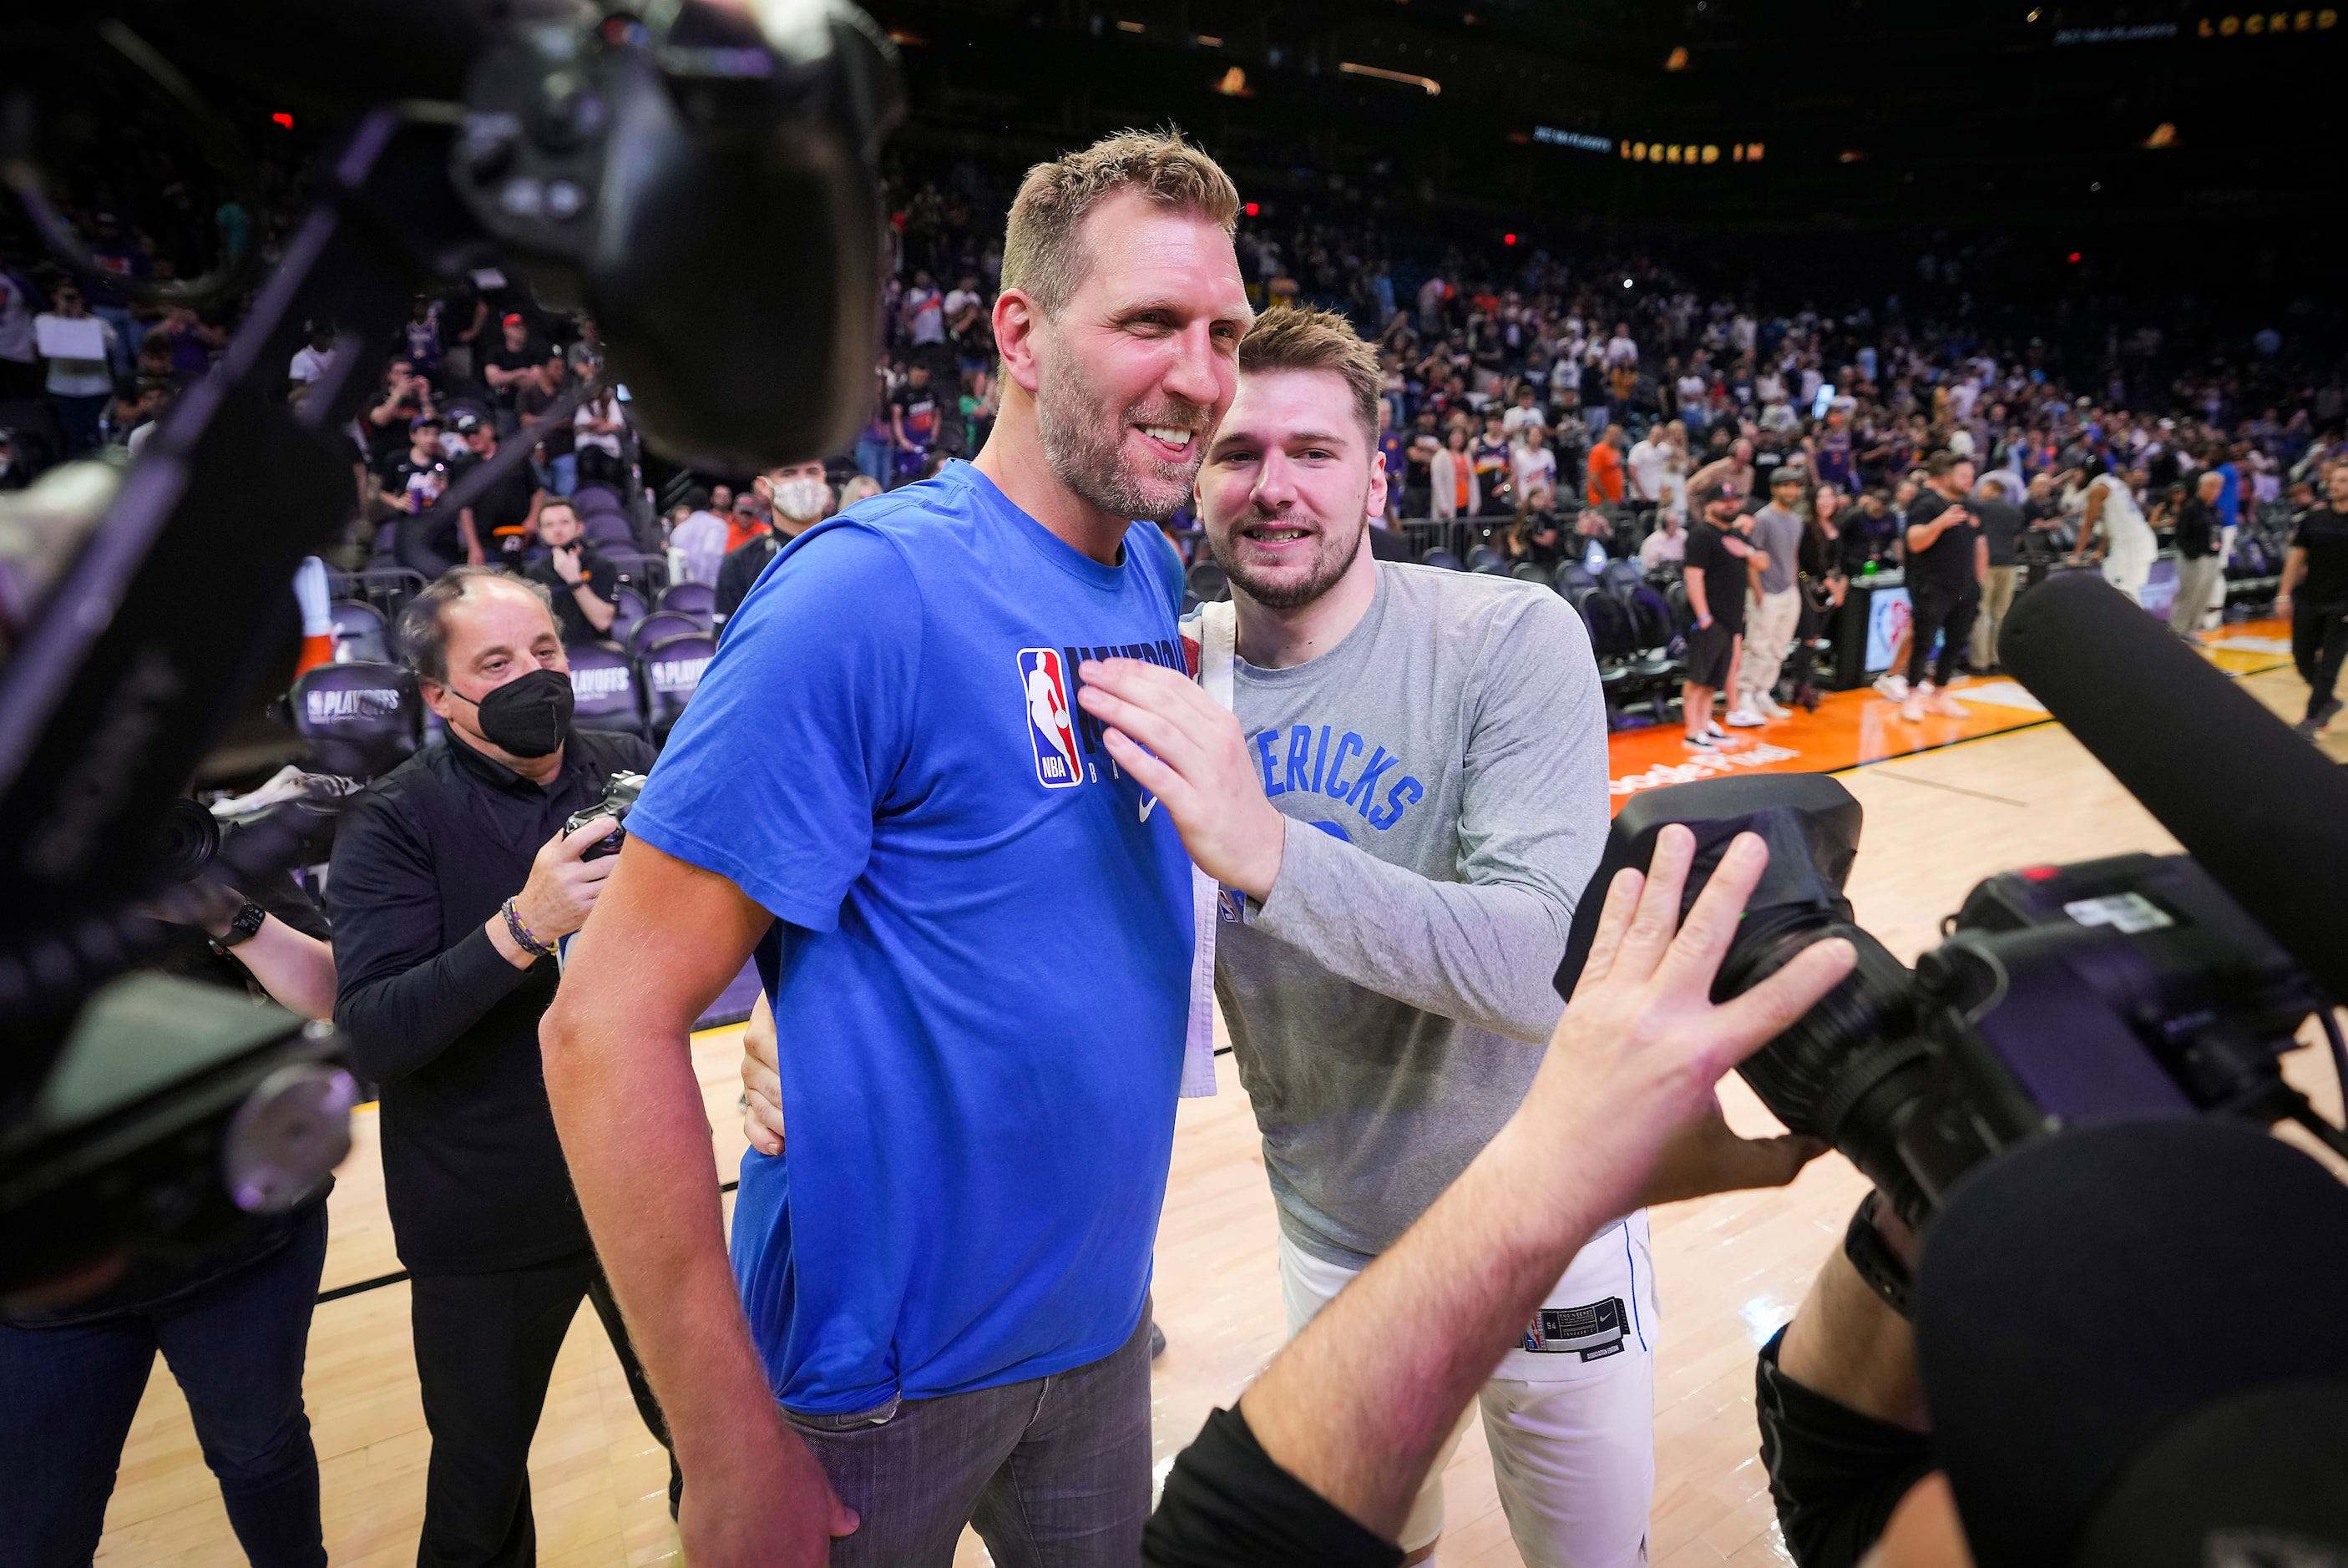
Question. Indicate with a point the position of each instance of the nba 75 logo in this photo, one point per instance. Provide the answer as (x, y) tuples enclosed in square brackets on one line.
[(1044, 684)]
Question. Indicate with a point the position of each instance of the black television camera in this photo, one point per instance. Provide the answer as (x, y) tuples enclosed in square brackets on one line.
[(2132, 985), (662, 168), (2140, 984), (619, 798)]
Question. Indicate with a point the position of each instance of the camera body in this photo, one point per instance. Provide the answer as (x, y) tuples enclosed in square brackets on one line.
[(619, 798), (2063, 994)]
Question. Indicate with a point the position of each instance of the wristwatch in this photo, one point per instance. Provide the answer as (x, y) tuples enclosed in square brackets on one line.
[(242, 929)]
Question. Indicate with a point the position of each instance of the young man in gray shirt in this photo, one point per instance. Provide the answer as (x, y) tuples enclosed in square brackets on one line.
[(1402, 810), (1775, 607)]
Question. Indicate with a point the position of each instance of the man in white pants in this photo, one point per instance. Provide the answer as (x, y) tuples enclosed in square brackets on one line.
[(1403, 808), (1774, 610)]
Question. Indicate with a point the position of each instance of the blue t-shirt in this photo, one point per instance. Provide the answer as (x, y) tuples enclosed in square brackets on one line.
[(981, 963)]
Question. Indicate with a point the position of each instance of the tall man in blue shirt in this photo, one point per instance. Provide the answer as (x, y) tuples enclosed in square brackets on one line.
[(975, 936)]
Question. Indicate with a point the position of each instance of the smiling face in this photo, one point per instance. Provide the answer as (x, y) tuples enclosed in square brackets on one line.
[(1142, 362), (1288, 486)]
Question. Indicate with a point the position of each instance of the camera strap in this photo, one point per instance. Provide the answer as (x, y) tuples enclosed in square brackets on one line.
[(1217, 651), (1875, 1261)]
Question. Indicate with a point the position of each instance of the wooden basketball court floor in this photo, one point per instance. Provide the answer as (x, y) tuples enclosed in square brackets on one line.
[(1731, 1269)]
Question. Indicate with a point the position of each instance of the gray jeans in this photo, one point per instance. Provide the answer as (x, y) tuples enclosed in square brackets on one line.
[(2197, 581), (1053, 1472)]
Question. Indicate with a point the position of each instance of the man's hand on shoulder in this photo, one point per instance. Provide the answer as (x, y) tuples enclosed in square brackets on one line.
[(1183, 748)]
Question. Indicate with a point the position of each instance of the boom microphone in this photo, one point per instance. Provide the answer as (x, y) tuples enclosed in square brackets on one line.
[(2263, 811)]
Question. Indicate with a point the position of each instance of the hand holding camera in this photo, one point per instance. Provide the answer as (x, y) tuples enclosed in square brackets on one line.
[(565, 880)]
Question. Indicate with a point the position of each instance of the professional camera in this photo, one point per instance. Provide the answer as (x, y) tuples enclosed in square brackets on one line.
[(619, 796), (187, 842), (661, 167), (294, 811), (2137, 985), (2064, 995)]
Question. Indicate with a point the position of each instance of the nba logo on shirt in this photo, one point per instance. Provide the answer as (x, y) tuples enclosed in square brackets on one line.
[(1050, 725)]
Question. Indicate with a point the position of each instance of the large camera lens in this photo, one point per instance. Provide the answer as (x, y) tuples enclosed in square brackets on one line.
[(186, 842), (1850, 1070)]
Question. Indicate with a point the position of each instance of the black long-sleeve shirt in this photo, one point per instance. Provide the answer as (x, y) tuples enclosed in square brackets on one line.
[(473, 1175)]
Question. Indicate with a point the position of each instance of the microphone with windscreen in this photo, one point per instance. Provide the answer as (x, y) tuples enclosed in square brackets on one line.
[(2263, 812)]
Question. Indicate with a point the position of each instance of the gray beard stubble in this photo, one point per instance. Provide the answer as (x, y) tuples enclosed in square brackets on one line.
[(1083, 451)]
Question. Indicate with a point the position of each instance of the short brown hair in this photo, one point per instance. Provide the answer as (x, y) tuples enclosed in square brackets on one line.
[(423, 625), (1317, 340), (1941, 464), (1041, 255)]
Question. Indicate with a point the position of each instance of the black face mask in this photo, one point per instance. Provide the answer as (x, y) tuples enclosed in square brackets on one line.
[(529, 717)]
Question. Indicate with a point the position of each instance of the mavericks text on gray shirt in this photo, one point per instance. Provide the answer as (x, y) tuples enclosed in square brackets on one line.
[(1443, 771)]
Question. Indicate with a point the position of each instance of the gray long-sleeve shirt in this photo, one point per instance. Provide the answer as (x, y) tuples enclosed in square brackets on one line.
[(1443, 771)]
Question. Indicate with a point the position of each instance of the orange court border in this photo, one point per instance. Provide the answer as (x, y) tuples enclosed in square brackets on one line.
[(1855, 728)]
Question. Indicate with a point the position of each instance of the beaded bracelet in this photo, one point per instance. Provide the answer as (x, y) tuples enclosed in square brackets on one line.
[(521, 933)]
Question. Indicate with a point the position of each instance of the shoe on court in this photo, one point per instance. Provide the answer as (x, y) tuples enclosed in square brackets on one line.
[(1743, 719), (2308, 729), (1891, 688), (1947, 706), (1772, 708), (1699, 743), (1912, 708), (2328, 711), (1156, 1340), (1713, 731)]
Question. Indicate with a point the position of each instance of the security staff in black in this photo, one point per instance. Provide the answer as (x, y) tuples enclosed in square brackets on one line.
[(1946, 562), (2314, 594), (452, 880)]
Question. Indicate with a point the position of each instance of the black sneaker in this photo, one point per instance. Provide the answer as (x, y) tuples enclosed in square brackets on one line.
[(1156, 1340), (2328, 711), (2308, 729)]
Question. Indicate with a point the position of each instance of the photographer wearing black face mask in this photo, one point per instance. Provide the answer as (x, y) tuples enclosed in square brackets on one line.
[(452, 882)]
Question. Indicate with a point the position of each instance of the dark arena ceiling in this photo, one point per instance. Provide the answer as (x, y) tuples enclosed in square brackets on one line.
[(2164, 143)]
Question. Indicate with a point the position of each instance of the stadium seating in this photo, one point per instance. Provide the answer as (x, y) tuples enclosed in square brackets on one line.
[(659, 625), (698, 599), (607, 530), (627, 609), (672, 669), (362, 636), (1487, 560), (359, 719), (1207, 583), (606, 691), (1438, 556)]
